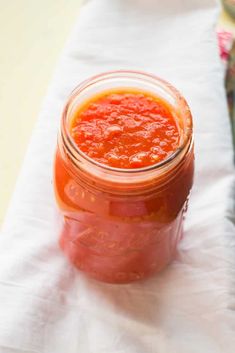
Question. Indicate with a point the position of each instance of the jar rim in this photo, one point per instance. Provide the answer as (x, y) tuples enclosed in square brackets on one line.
[(76, 153)]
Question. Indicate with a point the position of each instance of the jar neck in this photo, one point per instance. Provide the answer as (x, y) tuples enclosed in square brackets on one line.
[(125, 181), (100, 179)]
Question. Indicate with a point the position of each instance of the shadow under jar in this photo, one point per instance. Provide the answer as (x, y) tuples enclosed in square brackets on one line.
[(122, 225)]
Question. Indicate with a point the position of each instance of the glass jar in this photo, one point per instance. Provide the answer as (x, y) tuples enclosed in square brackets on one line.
[(121, 225)]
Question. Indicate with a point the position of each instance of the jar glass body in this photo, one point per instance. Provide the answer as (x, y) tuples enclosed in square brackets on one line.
[(122, 225)]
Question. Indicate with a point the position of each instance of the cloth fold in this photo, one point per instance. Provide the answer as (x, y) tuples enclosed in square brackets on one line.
[(46, 305)]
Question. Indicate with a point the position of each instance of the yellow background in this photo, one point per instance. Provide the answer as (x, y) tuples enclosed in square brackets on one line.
[(32, 35)]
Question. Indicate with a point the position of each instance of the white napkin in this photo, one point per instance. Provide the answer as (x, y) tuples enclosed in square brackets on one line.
[(46, 306)]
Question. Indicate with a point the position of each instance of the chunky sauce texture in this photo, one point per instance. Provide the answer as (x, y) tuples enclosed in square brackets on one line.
[(125, 129)]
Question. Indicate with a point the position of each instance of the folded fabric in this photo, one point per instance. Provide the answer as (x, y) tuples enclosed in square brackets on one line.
[(47, 306)]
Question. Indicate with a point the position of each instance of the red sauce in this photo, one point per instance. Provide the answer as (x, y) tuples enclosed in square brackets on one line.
[(119, 237), (125, 129)]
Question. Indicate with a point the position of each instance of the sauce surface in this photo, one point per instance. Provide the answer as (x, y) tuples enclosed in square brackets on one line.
[(125, 129)]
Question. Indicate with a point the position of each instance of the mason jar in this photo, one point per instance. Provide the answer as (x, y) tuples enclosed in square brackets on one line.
[(122, 225)]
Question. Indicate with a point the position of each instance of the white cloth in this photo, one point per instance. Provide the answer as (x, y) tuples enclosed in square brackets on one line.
[(46, 306)]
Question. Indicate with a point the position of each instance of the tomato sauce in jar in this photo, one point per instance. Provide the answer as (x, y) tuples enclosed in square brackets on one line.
[(122, 176)]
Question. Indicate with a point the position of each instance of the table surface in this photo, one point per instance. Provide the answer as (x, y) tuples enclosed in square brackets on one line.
[(33, 34)]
